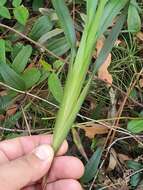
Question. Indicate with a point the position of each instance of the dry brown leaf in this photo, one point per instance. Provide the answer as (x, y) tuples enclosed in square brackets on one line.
[(2, 117), (112, 160), (11, 110), (140, 35), (141, 83), (103, 72), (3, 93), (94, 129), (123, 157)]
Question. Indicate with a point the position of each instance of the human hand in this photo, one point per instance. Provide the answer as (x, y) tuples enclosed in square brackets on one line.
[(25, 160)]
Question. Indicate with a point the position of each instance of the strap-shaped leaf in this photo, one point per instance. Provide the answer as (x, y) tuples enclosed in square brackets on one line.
[(112, 9), (110, 41), (91, 9), (66, 21)]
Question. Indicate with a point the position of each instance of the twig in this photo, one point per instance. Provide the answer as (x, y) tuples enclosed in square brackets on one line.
[(26, 122), (23, 130), (32, 41)]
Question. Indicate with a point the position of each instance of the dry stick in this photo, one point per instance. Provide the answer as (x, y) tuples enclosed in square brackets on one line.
[(120, 111), (32, 41), (23, 130), (126, 179), (116, 123), (117, 88), (124, 102), (26, 122), (52, 104)]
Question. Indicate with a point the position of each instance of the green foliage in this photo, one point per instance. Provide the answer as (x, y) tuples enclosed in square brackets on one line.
[(135, 126), (134, 20), (75, 90), (66, 22), (10, 77), (55, 87), (16, 3), (42, 25), (2, 2), (92, 166), (4, 12), (21, 14), (21, 60), (2, 51), (135, 179), (31, 77), (37, 4)]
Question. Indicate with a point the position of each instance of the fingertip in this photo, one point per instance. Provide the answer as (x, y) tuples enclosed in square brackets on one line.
[(63, 149)]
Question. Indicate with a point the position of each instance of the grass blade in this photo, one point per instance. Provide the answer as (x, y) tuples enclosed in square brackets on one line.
[(110, 41), (66, 22)]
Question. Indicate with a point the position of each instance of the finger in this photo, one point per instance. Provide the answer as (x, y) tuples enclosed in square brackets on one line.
[(66, 167), (69, 184), (26, 170), (15, 148)]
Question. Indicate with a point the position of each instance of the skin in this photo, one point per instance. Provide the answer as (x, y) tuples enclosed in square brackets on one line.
[(20, 168)]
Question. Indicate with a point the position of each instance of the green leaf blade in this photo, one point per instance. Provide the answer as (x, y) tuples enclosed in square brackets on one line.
[(92, 166), (22, 58), (134, 20), (2, 51), (66, 22), (21, 13), (10, 77), (135, 126), (55, 87), (31, 77), (16, 3), (4, 12)]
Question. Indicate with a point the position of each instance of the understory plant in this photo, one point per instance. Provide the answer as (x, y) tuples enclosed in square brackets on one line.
[(100, 15)]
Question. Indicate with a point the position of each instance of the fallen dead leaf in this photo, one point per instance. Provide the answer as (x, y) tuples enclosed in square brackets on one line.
[(11, 110), (2, 117), (103, 72), (140, 35), (123, 157), (112, 160), (94, 129), (141, 83)]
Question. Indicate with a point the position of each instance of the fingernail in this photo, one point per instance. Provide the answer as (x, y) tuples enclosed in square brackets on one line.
[(44, 152)]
